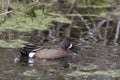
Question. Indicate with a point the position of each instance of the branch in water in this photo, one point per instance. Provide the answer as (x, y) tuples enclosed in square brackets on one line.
[(6, 13), (117, 33)]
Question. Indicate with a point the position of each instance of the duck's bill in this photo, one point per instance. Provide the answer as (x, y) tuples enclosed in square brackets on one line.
[(74, 50)]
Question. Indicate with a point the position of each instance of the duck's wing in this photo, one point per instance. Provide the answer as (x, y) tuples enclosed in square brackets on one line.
[(27, 49)]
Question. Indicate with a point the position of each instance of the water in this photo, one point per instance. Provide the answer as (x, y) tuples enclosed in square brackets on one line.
[(93, 62)]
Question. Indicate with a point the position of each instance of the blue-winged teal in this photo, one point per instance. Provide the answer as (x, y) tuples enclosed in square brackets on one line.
[(48, 53)]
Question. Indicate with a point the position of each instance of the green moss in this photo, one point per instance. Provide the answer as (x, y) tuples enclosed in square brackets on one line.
[(112, 73), (22, 22), (12, 44), (30, 73), (103, 14), (116, 13), (62, 19), (90, 67)]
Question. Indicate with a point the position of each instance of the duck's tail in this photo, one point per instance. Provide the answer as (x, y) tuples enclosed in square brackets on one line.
[(24, 51)]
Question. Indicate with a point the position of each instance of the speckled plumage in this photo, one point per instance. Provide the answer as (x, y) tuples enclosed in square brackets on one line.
[(51, 53)]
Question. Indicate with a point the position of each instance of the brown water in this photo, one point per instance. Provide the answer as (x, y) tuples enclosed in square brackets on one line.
[(93, 62), (90, 59)]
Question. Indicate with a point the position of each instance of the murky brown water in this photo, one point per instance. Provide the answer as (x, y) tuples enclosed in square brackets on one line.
[(93, 62), (90, 59)]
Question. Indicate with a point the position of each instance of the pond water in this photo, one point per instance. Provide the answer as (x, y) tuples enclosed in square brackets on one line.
[(93, 62)]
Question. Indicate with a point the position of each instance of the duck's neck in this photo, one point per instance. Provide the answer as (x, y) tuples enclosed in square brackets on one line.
[(63, 47)]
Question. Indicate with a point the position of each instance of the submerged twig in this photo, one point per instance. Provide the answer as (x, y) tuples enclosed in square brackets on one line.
[(90, 33), (101, 23), (72, 6), (106, 33), (85, 22), (117, 33), (99, 26), (51, 35), (5, 13)]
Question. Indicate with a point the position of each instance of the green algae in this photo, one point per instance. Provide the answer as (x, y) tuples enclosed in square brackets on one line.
[(90, 67), (21, 19), (12, 44), (30, 73), (111, 73)]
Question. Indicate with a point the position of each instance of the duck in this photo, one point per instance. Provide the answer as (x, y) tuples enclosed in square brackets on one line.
[(38, 52)]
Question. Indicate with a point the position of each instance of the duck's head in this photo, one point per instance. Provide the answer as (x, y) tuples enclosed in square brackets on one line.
[(67, 45)]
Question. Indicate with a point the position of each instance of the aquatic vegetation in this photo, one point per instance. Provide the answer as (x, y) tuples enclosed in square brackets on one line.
[(90, 67), (28, 18), (111, 73), (12, 44), (30, 73)]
